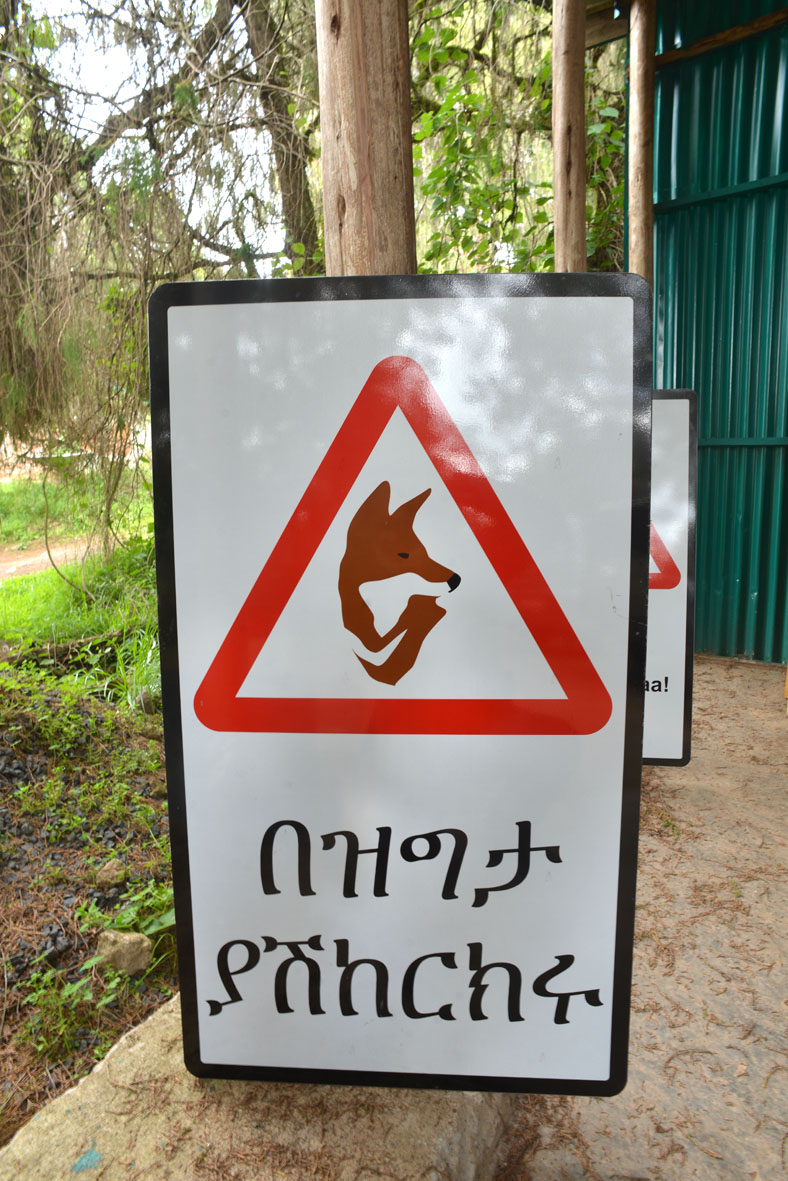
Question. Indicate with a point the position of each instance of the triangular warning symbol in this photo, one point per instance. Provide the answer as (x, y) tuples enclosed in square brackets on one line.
[(667, 574), (401, 382)]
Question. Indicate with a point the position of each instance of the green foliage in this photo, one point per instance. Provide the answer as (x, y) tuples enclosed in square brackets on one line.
[(74, 275), (40, 31), (44, 609), (102, 755), (69, 1008), (42, 712), (136, 174), (138, 667), (37, 708), (90, 769), (98, 802), (126, 670), (605, 156), (64, 1010), (129, 573), (483, 83), (482, 76), (70, 504), (149, 909), (185, 98)]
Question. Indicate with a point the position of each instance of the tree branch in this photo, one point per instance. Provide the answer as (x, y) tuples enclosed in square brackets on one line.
[(143, 108), (291, 151)]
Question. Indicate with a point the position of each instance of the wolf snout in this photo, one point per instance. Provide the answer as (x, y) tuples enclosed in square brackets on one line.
[(454, 582)]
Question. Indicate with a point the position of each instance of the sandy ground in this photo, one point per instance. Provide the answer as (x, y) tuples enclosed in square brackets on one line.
[(707, 1095)]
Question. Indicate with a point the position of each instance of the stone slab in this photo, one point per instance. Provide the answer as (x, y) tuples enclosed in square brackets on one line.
[(140, 1114)]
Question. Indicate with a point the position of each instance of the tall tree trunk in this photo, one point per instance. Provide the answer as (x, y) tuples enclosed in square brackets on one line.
[(291, 154), (569, 135), (642, 40), (365, 119)]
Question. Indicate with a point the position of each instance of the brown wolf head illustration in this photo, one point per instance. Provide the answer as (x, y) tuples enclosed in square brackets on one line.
[(383, 544)]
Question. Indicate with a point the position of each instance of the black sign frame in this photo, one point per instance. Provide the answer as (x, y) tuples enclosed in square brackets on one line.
[(691, 398), (392, 288)]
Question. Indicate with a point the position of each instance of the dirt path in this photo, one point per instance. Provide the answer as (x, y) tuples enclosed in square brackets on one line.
[(34, 557), (707, 1095)]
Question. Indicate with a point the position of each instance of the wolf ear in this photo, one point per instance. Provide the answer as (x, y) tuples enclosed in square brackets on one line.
[(408, 510), (377, 503)]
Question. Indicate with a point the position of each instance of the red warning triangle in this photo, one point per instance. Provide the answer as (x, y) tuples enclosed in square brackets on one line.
[(399, 382), (667, 574)]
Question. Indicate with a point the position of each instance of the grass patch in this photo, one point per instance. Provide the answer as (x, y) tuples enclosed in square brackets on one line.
[(42, 609), (60, 1010), (75, 506)]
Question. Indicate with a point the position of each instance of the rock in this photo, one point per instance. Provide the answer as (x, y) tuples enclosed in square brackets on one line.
[(175, 1126), (111, 873), (128, 951)]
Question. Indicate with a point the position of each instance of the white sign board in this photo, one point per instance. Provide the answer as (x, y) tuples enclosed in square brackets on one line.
[(402, 542), (667, 723)]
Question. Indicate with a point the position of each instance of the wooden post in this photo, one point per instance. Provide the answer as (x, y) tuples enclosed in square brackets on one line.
[(365, 121), (569, 135), (640, 179)]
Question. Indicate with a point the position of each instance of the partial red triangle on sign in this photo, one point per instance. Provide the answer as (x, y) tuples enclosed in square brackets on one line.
[(399, 382), (667, 574)]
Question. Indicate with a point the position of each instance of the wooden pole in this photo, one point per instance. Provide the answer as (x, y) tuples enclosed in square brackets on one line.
[(365, 121), (640, 178), (569, 135)]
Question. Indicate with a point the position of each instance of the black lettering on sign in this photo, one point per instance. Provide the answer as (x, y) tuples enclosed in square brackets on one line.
[(296, 957), (523, 853), (411, 981), (345, 980), (451, 843), (433, 843), (478, 985), (304, 855), (381, 851), (563, 998), (226, 974)]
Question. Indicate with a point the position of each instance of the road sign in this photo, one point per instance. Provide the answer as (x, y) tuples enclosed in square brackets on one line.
[(667, 726), (400, 383), (402, 611), (666, 574)]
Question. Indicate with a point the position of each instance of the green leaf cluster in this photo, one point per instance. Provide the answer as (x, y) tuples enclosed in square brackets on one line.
[(482, 99)]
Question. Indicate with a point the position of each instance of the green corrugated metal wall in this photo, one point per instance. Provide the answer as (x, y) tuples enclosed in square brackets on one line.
[(681, 23), (721, 311)]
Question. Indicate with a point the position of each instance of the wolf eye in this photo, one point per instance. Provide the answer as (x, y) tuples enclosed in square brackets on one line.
[(403, 555)]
